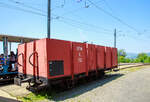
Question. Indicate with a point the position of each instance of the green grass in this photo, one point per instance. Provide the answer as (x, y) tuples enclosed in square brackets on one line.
[(33, 97)]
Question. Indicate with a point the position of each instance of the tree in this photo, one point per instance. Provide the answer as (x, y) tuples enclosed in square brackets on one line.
[(142, 57), (136, 60), (128, 60), (121, 56), (121, 59), (122, 52), (147, 60)]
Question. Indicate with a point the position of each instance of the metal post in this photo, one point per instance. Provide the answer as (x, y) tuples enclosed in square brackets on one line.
[(9, 46), (49, 19), (115, 38), (5, 47), (21, 41)]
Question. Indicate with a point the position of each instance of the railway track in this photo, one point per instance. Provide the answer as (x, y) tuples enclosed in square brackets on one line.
[(130, 65), (6, 82)]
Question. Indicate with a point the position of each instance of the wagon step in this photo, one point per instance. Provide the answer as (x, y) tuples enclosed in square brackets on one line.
[(36, 87), (18, 81), (27, 79)]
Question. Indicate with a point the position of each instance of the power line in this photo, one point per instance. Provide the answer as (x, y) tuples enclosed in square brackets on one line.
[(77, 26), (137, 39), (116, 18), (83, 23), (40, 14), (29, 11), (78, 9), (31, 7), (27, 6), (20, 9), (34, 8), (33, 2), (106, 3), (33, 12), (87, 24)]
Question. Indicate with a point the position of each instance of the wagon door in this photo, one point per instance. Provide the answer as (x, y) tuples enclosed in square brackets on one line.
[(30, 50), (59, 58), (100, 57), (114, 57), (108, 58), (79, 57), (91, 57), (22, 58)]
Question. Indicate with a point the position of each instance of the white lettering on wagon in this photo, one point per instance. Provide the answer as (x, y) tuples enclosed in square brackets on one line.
[(79, 48), (80, 60)]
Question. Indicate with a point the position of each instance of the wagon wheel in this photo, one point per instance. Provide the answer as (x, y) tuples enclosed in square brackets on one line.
[(70, 84)]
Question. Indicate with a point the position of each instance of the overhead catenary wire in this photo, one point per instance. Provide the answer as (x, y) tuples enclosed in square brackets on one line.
[(79, 28), (31, 7), (106, 3), (27, 6), (116, 18), (20, 9), (87, 30), (83, 23), (33, 12), (31, 2), (122, 36), (78, 9), (37, 13)]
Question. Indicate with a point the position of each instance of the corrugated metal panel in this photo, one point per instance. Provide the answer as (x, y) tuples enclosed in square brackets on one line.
[(114, 57), (100, 57), (79, 57), (108, 58), (21, 58), (59, 50), (91, 57)]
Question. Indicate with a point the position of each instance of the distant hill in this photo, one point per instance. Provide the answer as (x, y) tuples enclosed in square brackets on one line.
[(131, 55), (134, 55), (148, 54)]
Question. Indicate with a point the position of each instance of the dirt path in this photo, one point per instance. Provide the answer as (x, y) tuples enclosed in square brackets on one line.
[(10, 91), (5, 97), (132, 87)]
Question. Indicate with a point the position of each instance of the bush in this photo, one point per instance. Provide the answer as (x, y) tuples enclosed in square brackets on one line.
[(141, 58)]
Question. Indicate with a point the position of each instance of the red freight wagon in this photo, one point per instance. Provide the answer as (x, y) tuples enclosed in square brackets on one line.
[(108, 58), (100, 57), (54, 60), (91, 57), (114, 57)]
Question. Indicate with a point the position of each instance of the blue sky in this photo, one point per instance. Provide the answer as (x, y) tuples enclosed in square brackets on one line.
[(72, 21)]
